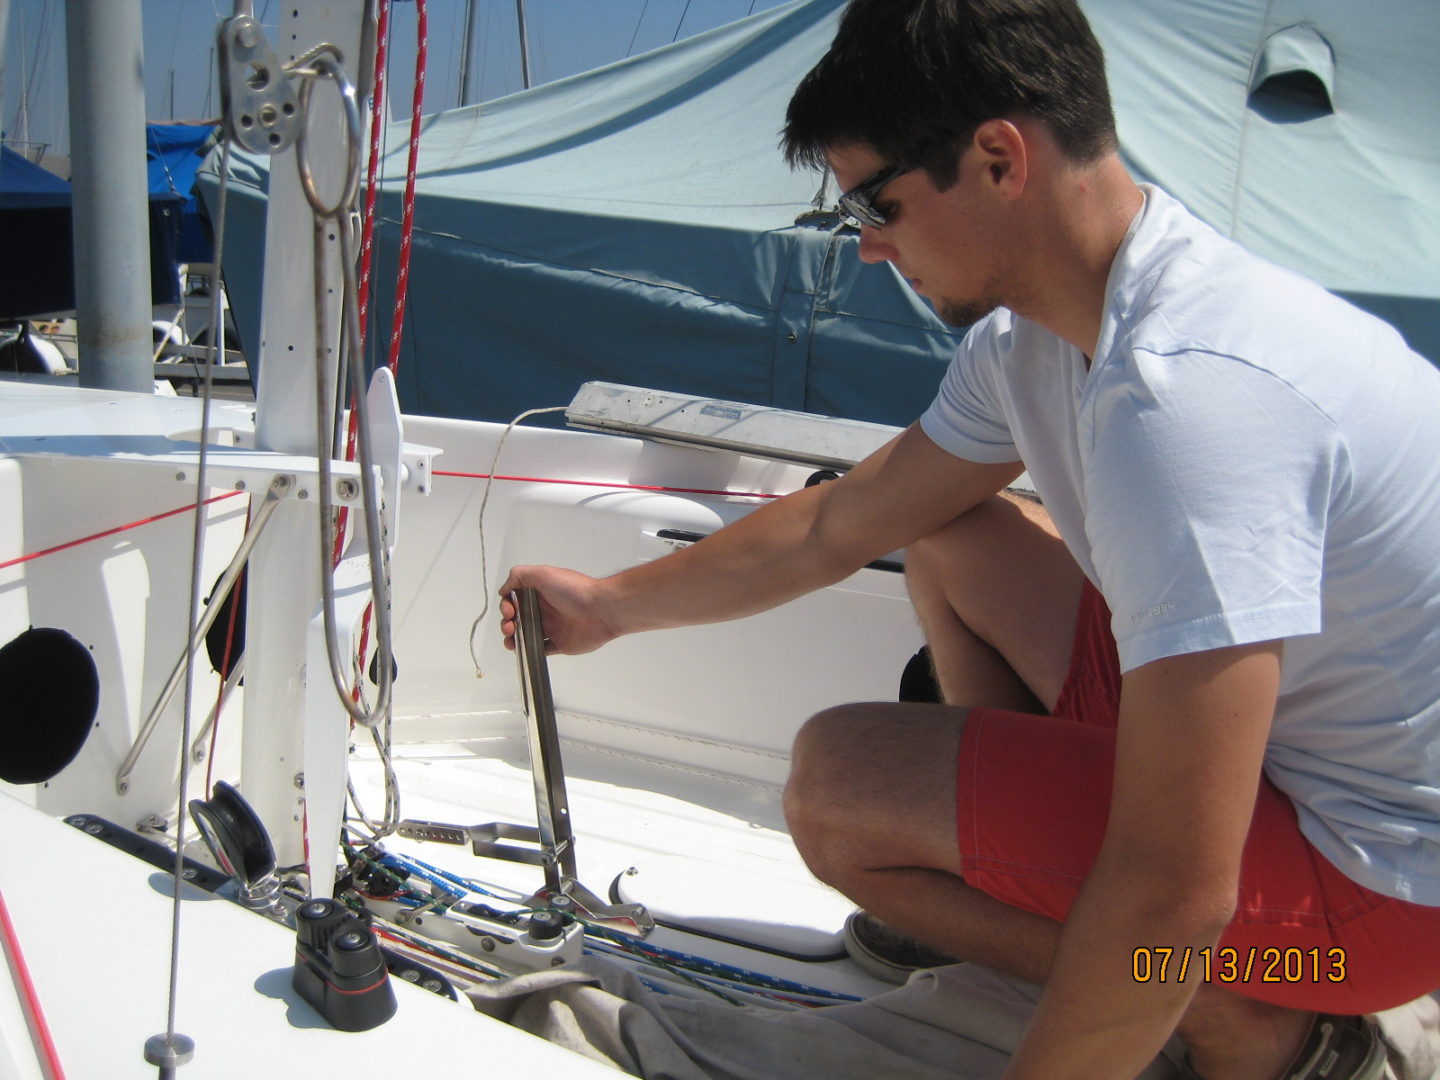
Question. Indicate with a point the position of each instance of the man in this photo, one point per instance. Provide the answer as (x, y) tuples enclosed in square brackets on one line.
[(1239, 767)]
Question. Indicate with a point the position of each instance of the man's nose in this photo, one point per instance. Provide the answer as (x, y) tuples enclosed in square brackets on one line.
[(873, 248)]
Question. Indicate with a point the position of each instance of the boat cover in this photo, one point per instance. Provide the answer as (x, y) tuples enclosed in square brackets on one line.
[(37, 271), (637, 224), (173, 155)]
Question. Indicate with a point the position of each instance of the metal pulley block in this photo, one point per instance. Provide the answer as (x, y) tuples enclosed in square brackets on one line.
[(262, 109)]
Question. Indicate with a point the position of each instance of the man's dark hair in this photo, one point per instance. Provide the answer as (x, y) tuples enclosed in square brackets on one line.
[(913, 79)]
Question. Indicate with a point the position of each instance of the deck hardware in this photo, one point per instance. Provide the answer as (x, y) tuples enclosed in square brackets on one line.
[(242, 848), (169, 1052), (258, 101), (339, 968), (278, 487), (551, 843)]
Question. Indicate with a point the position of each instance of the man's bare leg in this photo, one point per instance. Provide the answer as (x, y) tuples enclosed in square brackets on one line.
[(997, 592), (873, 810), (871, 805)]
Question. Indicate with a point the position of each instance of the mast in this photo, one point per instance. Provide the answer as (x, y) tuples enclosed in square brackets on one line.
[(284, 577), (524, 44), (111, 206), (4, 28), (469, 67)]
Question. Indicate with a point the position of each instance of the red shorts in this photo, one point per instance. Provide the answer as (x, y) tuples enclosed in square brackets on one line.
[(1034, 797)]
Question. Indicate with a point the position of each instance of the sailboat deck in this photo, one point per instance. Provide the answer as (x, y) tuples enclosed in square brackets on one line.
[(703, 847)]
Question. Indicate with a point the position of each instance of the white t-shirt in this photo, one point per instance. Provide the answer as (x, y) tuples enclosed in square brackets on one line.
[(1247, 458)]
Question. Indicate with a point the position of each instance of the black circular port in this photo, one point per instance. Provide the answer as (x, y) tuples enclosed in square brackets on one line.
[(49, 695)]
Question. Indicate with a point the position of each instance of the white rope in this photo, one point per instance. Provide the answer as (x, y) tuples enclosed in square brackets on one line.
[(480, 525)]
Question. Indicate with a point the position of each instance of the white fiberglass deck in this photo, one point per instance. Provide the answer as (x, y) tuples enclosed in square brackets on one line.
[(702, 846)]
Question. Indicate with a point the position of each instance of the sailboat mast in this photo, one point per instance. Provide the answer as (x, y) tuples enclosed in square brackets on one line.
[(469, 62), (111, 206), (4, 28), (524, 44), (469, 67)]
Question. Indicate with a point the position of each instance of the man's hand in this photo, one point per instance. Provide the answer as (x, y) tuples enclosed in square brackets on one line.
[(571, 609)]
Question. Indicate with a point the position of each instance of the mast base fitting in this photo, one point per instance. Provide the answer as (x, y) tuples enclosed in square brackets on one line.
[(169, 1051)]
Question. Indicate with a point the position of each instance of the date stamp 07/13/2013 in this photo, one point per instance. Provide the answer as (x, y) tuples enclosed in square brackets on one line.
[(1226, 964)]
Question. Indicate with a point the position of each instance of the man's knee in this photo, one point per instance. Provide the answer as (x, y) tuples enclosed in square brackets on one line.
[(864, 777), (987, 530), (821, 757), (819, 799)]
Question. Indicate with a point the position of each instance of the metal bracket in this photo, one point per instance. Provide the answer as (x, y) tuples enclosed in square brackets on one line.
[(262, 109), (551, 843)]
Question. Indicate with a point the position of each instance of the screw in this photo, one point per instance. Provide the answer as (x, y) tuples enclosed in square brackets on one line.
[(347, 488), (300, 780)]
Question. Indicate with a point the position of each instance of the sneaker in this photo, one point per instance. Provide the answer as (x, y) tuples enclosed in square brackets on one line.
[(885, 953), (1337, 1048)]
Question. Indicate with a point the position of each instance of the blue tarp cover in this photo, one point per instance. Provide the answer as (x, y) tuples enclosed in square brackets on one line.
[(174, 154), (637, 223), (37, 273), (25, 184)]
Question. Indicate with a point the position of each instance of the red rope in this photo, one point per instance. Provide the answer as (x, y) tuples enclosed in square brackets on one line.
[(40, 1031), (609, 484), (112, 532), (367, 235), (407, 224)]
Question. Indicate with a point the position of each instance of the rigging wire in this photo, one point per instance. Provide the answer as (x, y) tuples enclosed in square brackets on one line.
[(38, 60), (638, 23), (676, 36), (197, 551)]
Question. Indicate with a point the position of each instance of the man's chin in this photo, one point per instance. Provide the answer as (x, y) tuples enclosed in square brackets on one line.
[(958, 314)]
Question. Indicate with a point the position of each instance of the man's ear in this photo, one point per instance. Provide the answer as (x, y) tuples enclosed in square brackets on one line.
[(1004, 155)]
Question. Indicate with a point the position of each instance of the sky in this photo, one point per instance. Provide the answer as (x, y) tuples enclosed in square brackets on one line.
[(566, 37)]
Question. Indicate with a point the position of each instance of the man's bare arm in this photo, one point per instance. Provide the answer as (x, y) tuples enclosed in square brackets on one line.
[(1189, 749), (905, 490)]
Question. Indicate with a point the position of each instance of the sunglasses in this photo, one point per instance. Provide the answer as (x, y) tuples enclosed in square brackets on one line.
[(856, 205)]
